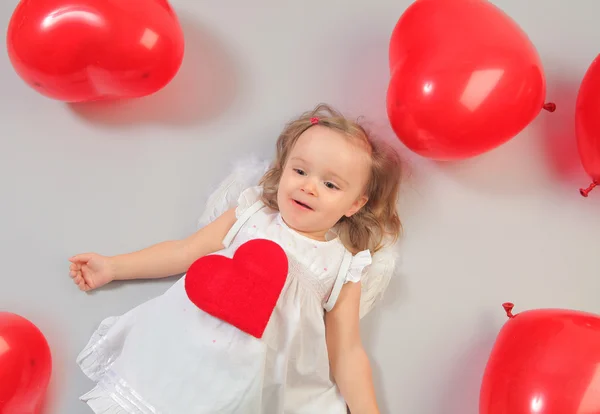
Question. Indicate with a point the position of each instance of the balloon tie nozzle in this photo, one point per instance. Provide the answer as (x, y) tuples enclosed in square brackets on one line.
[(585, 191), (508, 308), (550, 106)]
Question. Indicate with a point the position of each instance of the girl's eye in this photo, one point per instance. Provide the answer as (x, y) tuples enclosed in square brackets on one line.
[(299, 171), (331, 186)]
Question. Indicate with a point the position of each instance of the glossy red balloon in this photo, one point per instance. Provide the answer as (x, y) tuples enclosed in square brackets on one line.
[(86, 50), (544, 361), (464, 78), (587, 124), (25, 366)]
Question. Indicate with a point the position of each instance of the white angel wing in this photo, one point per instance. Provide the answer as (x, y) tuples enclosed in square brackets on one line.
[(247, 173), (376, 278)]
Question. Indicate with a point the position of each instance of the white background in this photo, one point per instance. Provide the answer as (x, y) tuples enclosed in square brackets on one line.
[(507, 226)]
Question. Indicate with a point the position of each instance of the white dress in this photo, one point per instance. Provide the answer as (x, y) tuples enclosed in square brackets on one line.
[(166, 356)]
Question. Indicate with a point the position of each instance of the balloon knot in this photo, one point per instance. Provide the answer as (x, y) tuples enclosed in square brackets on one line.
[(550, 106), (508, 308), (585, 191)]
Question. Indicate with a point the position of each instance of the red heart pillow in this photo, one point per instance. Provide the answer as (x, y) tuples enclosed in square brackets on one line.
[(242, 291)]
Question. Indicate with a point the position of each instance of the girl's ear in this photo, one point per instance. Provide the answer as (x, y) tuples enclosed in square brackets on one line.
[(357, 205)]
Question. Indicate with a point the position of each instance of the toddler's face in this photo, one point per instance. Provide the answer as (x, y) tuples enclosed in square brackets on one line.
[(323, 180)]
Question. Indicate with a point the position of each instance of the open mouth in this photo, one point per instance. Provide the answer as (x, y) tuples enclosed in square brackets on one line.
[(302, 205)]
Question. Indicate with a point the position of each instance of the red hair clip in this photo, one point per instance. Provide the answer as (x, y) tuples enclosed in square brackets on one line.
[(314, 120)]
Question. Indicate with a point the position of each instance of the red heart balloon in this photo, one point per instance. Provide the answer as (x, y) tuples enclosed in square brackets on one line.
[(242, 291), (465, 78), (587, 124), (86, 50), (544, 361), (25, 366)]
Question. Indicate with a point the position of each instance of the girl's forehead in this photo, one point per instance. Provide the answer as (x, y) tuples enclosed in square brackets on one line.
[(326, 147), (327, 139)]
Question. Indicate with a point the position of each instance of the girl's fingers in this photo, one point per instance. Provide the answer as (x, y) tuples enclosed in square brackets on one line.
[(81, 285)]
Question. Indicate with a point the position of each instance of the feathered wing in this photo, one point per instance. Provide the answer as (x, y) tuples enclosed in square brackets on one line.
[(376, 278), (247, 173)]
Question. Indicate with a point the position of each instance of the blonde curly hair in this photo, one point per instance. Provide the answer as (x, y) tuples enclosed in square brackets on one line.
[(377, 223)]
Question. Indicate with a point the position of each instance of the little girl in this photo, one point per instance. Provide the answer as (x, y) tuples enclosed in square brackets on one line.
[(329, 200)]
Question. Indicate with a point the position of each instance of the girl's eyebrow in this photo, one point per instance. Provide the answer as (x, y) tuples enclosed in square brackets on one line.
[(334, 175), (329, 172)]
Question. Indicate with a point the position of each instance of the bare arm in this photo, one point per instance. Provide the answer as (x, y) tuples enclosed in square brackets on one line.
[(175, 256), (349, 362)]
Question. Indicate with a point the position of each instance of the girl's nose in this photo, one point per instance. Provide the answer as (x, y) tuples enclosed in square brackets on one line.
[(309, 187)]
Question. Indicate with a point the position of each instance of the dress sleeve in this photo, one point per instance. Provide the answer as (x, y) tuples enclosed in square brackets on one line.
[(249, 202), (247, 199), (360, 262)]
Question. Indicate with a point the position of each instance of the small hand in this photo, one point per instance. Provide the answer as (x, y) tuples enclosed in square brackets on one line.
[(91, 271)]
